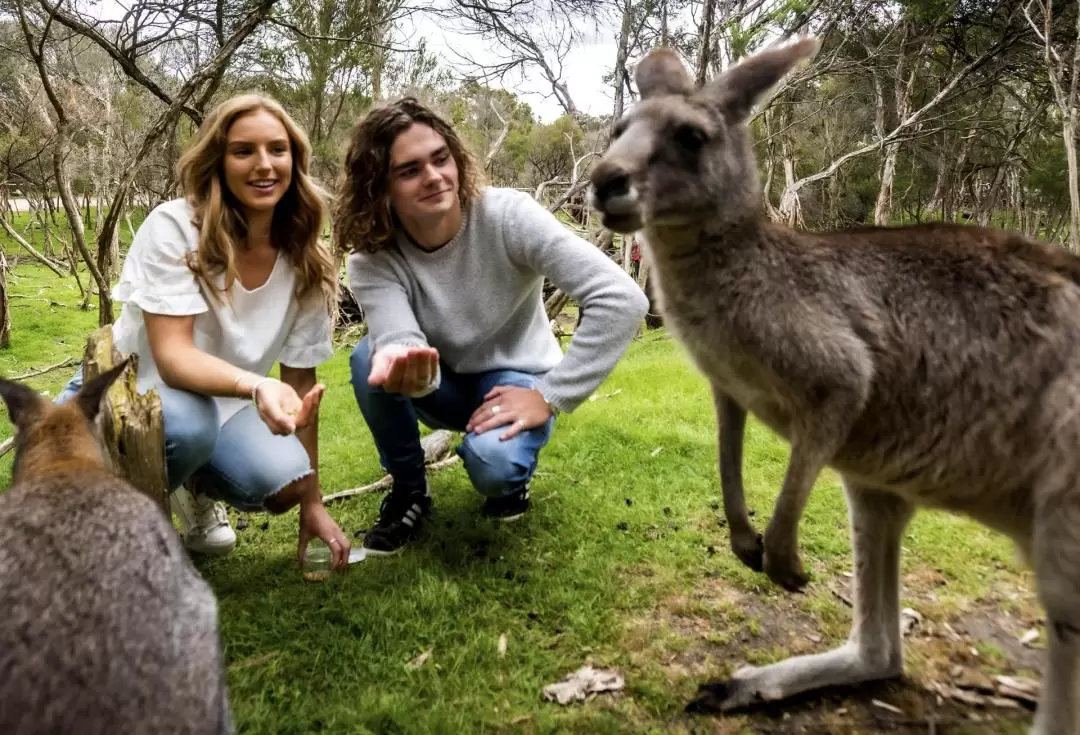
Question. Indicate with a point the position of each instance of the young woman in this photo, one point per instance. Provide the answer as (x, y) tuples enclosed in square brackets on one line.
[(217, 287), (449, 275)]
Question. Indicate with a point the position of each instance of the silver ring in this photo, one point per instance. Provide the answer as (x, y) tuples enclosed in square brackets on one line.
[(495, 409)]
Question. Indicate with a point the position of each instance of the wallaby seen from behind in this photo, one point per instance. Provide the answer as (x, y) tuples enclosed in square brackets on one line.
[(105, 625)]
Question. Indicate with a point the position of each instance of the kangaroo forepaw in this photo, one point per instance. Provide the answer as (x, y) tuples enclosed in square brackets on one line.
[(786, 570), (750, 549)]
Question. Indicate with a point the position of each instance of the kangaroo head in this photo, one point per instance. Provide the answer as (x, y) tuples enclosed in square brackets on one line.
[(53, 439), (683, 156)]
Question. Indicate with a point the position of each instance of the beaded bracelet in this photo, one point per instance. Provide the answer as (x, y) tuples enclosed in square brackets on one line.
[(255, 390)]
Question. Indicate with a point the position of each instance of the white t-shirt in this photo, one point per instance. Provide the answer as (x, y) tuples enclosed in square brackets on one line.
[(253, 331)]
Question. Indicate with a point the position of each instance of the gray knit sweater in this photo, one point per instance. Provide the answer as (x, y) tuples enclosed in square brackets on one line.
[(478, 299)]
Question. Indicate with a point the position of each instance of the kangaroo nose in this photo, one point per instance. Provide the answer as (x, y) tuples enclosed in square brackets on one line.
[(609, 182)]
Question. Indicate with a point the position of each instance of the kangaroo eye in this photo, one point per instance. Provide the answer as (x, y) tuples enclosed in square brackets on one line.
[(690, 137)]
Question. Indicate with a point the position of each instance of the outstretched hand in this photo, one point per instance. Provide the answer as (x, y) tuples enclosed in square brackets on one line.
[(522, 408), (403, 369), (282, 409)]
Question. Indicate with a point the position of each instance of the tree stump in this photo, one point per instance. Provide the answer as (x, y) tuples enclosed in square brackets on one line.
[(132, 425)]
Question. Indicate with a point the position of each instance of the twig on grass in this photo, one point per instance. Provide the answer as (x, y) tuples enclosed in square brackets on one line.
[(386, 481)]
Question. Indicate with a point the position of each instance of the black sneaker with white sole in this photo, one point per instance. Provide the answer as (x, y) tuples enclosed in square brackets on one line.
[(399, 521), (508, 507)]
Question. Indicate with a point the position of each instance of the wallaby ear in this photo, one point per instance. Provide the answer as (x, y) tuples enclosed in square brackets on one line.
[(90, 395), (737, 90), (24, 404), (662, 72)]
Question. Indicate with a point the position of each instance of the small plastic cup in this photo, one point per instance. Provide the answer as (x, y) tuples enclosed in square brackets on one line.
[(316, 566)]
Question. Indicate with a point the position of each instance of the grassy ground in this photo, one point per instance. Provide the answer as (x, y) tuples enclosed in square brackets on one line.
[(621, 563)]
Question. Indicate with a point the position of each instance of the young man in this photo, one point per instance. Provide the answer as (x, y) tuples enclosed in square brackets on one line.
[(449, 275)]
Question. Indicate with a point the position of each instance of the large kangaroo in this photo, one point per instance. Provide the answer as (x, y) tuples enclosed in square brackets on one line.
[(935, 365), (105, 625)]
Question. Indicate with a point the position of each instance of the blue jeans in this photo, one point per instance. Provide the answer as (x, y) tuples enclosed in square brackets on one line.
[(242, 463), (495, 467)]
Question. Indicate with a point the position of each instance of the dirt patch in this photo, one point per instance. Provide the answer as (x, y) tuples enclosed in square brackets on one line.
[(717, 627)]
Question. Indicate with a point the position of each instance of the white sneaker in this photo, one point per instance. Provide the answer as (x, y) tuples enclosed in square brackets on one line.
[(204, 522)]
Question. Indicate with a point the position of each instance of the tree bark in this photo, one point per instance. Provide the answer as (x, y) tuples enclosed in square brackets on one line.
[(1068, 101), (132, 424), (5, 305), (705, 46)]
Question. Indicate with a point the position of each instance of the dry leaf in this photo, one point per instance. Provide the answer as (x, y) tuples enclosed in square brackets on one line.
[(583, 684), (655, 452), (908, 620), (1030, 637), (502, 645), (419, 661)]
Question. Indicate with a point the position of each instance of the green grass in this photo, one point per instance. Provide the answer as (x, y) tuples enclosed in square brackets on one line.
[(621, 562)]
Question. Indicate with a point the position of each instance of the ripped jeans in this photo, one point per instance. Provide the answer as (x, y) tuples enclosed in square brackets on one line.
[(241, 463)]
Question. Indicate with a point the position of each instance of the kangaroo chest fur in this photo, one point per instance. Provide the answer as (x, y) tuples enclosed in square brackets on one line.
[(698, 309)]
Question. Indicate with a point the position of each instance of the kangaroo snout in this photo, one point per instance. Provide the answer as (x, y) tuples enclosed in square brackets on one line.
[(614, 197)]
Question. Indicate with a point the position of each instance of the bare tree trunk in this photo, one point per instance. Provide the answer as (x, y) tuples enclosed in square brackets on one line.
[(705, 46), (1069, 129), (665, 38), (990, 199), (622, 52), (1068, 100), (5, 305), (379, 34), (489, 159), (60, 150), (790, 209), (903, 89)]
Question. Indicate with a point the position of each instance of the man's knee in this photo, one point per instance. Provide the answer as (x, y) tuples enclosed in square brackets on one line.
[(496, 467)]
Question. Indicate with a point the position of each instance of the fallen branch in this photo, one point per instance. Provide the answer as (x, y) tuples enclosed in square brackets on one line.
[(69, 362), (382, 484), (50, 302), (437, 447), (30, 248)]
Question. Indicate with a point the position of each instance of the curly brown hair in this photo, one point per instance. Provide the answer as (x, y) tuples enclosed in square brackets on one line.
[(363, 217), (298, 217)]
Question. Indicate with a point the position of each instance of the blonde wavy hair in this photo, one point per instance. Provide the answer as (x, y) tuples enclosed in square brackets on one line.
[(298, 217), (363, 217)]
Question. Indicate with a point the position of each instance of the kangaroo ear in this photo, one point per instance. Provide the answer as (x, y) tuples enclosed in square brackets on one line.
[(737, 90), (661, 72), (24, 404), (90, 395)]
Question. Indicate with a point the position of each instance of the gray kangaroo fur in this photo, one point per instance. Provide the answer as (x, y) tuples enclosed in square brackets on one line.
[(932, 366), (105, 625)]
